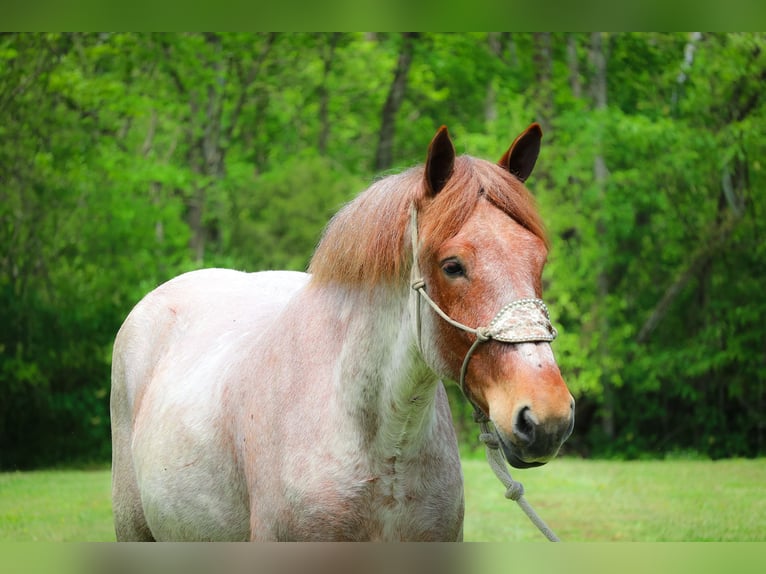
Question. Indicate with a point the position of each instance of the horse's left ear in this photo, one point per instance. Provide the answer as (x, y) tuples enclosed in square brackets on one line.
[(521, 156), (440, 162)]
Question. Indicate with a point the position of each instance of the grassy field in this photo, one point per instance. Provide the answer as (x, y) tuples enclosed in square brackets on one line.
[(584, 501), (580, 500), (56, 506)]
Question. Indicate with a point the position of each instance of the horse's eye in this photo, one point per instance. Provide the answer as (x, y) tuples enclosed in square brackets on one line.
[(453, 268)]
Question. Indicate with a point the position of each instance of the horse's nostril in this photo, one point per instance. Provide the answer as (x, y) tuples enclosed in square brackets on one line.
[(524, 427)]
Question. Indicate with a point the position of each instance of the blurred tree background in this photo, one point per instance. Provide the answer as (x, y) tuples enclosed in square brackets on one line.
[(126, 159)]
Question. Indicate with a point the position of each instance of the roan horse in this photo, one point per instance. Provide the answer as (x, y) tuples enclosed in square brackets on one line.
[(289, 406)]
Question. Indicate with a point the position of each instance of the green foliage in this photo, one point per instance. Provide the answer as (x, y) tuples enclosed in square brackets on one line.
[(663, 221), (126, 159), (276, 220)]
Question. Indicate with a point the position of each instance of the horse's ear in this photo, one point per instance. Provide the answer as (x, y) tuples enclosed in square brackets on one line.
[(440, 162), (521, 156)]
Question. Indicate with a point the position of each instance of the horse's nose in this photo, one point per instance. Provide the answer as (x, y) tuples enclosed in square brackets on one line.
[(536, 436), (524, 426)]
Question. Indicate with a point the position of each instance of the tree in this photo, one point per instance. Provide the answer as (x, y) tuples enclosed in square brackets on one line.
[(384, 155), (126, 159)]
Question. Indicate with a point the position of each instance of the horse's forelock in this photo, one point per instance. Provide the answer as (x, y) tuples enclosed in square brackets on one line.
[(472, 180)]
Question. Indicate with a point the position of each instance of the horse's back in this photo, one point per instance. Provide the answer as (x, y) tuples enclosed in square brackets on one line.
[(195, 312), (169, 373)]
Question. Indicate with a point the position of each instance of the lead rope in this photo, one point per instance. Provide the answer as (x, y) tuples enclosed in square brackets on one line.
[(514, 489)]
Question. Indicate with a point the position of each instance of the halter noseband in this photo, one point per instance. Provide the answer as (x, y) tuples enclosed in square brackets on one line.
[(520, 321)]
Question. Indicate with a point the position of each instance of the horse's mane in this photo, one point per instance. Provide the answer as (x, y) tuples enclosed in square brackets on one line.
[(367, 242)]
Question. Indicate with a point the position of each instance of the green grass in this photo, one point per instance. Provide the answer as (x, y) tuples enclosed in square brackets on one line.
[(584, 501), (56, 506), (678, 500)]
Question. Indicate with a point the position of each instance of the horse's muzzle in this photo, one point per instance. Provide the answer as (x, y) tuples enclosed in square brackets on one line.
[(532, 443)]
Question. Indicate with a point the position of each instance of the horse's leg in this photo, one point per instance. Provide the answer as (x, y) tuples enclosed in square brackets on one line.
[(129, 521)]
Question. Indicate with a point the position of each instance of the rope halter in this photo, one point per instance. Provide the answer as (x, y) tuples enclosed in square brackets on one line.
[(520, 321)]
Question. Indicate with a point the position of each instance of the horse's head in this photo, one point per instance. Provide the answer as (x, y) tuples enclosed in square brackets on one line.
[(482, 247)]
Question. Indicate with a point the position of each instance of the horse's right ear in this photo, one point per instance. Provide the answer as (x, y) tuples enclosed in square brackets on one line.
[(440, 162), (521, 156)]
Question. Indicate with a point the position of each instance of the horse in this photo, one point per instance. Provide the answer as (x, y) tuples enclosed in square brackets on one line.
[(281, 405)]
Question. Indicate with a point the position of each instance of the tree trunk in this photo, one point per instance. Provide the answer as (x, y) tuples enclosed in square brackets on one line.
[(384, 156), (209, 154), (328, 56), (246, 80), (543, 90), (600, 174), (494, 40), (573, 64)]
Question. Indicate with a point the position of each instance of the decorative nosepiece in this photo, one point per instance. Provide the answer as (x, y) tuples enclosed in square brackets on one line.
[(524, 320)]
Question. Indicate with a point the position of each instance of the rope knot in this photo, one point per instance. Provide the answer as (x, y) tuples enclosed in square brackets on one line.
[(479, 416), (418, 284), (483, 334), (515, 491), (490, 440)]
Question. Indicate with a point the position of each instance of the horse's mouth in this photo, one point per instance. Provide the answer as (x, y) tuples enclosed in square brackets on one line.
[(513, 459), (516, 462)]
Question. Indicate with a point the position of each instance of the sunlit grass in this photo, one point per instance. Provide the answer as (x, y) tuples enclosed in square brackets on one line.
[(56, 506), (679, 500)]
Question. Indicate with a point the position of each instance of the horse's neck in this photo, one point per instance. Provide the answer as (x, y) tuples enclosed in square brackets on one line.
[(384, 387)]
